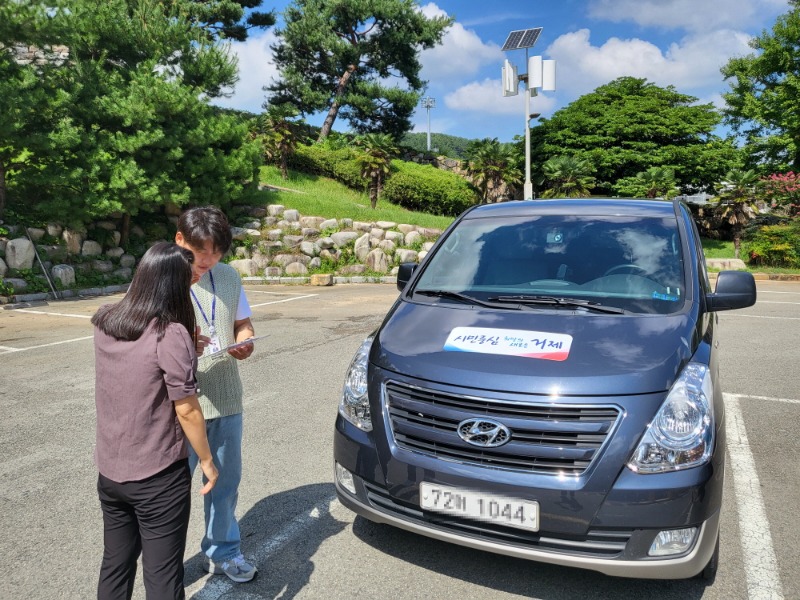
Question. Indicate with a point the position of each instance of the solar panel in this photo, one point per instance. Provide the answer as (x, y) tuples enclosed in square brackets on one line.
[(530, 37), (522, 38), (513, 40)]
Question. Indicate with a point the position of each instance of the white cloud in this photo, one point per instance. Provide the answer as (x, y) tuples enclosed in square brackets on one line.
[(691, 65), (693, 15), (486, 98), (256, 69), (461, 54)]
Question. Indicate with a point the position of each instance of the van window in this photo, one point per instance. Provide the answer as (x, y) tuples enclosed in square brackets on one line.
[(633, 263)]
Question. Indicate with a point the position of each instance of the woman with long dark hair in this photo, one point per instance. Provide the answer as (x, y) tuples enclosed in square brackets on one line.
[(147, 408)]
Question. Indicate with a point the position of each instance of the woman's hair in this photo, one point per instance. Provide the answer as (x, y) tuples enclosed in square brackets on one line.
[(158, 294), (206, 223)]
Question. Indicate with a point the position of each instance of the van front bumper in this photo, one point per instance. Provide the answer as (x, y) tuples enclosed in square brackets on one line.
[(374, 504)]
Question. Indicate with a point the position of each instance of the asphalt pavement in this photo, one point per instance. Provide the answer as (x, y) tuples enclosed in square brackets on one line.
[(304, 542)]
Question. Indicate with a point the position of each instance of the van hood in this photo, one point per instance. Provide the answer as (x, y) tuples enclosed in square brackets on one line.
[(608, 355)]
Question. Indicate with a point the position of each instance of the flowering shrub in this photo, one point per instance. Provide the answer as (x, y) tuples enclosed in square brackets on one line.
[(783, 191), (775, 246)]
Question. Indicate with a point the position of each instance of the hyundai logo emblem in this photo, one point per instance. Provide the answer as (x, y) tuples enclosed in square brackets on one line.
[(484, 433)]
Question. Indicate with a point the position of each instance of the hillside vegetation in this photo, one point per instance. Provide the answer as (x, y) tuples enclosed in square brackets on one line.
[(450, 146), (314, 195)]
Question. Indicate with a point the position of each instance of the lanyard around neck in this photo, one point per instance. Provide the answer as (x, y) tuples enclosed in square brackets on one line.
[(213, 304)]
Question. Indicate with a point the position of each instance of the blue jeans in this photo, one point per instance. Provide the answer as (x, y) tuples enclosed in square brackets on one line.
[(222, 539)]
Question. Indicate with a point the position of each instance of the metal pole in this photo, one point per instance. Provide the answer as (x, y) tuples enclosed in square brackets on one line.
[(528, 188), (41, 264), (428, 103)]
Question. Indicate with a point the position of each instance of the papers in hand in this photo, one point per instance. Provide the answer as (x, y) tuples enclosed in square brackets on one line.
[(232, 346)]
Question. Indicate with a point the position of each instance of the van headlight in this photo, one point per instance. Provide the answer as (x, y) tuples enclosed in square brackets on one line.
[(354, 405), (682, 434)]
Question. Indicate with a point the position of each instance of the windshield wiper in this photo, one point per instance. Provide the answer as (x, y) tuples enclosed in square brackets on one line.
[(463, 298), (555, 301)]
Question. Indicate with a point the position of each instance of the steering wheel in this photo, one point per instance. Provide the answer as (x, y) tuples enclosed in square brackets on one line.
[(639, 270)]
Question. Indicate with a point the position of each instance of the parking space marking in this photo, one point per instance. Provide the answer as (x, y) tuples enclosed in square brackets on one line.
[(741, 316), (52, 314), (208, 588), (761, 565), (284, 300), (770, 398), (775, 302), (7, 350)]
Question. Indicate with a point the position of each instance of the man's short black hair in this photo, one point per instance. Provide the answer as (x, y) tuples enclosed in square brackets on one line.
[(206, 223)]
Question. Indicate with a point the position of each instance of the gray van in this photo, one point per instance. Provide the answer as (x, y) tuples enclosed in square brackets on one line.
[(546, 386)]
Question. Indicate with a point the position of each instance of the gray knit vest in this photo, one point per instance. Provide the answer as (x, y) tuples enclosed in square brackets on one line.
[(219, 384)]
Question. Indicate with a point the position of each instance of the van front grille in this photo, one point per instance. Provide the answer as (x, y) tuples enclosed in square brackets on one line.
[(559, 439)]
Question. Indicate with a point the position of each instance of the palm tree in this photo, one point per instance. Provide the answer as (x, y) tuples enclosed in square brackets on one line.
[(491, 164), (277, 134), (568, 176), (658, 182), (737, 193), (375, 161)]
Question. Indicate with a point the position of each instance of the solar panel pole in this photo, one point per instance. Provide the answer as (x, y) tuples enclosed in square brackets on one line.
[(528, 187), (429, 103), (518, 39)]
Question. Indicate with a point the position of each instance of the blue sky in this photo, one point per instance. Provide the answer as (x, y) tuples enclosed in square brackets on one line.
[(669, 42)]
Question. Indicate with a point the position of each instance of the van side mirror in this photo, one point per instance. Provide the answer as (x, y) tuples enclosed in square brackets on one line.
[(735, 289), (404, 273)]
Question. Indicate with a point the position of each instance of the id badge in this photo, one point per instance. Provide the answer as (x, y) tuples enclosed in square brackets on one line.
[(213, 345)]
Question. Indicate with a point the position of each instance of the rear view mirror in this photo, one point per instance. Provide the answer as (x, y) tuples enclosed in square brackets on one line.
[(735, 289), (404, 273)]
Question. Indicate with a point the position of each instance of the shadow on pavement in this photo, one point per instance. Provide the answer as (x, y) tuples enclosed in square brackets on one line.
[(280, 533)]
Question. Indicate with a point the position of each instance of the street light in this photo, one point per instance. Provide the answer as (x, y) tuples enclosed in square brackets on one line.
[(429, 103), (540, 74)]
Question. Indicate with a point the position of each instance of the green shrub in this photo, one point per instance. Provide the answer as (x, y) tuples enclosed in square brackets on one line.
[(337, 163), (428, 189), (775, 246)]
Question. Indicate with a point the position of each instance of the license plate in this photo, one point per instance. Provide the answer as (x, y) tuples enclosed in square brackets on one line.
[(491, 508)]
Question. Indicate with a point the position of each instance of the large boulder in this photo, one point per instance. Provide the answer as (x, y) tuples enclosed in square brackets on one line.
[(65, 274), (377, 261), (245, 266), (296, 269), (20, 254), (342, 238), (91, 248), (362, 247)]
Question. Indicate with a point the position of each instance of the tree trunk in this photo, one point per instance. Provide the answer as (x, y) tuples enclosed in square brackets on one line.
[(335, 105), (2, 188), (126, 230), (373, 193), (737, 242), (284, 165)]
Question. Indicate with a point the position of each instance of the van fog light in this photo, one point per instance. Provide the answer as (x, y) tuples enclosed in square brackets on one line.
[(672, 541), (345, 479)]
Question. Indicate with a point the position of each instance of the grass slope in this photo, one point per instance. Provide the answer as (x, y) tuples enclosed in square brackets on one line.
[(317, 196)]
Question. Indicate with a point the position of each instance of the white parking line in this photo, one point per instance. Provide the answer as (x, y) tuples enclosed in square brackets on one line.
[(284, 300), (7, 350), (744, 316), (52, 314), (212, 588), (761, 566)]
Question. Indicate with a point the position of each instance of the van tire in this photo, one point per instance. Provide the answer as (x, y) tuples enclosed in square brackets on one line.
[(709, 572)]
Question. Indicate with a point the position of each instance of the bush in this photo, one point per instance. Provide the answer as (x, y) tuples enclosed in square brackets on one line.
[(428, 189), (775, 246), (337, 163)]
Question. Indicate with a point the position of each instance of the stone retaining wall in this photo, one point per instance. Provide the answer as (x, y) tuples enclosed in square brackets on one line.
[(272, 244)]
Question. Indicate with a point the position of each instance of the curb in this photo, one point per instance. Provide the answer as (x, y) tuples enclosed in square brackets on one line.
[(42, 299)]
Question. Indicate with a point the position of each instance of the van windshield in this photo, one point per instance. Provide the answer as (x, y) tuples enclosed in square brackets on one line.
[(632, 263)]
